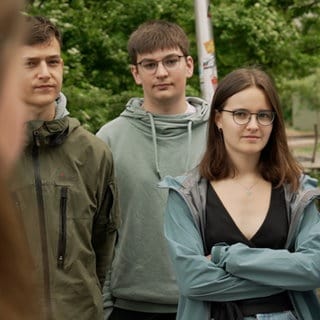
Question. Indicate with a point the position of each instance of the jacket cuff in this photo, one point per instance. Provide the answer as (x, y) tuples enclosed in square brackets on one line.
[(218, 254)]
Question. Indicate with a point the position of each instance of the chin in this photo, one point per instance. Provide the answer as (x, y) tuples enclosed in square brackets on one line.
[(166, 96), (44, 100)]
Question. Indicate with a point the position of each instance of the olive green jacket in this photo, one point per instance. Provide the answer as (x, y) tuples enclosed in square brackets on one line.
[(64, 188)]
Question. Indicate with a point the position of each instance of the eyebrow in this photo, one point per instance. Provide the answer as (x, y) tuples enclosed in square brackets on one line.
[(245, 109), (56, 56), (167, 56)]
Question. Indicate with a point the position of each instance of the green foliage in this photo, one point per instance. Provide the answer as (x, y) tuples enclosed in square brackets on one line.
[(282, 36), (95, 106), (305, 90), (264, 33)]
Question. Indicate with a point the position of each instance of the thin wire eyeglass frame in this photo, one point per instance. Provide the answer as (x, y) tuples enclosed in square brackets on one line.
[(249, 115), (163, 62)]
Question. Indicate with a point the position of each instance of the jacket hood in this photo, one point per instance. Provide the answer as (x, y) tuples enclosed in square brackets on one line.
[(307, 192), (307, 184), (187, 181), (308, 187), (166, 126)]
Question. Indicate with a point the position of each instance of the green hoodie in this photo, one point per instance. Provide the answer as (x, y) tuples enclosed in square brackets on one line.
[(64, 188), (146, 147)]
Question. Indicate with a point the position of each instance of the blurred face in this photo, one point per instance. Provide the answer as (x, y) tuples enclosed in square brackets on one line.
[(163, 75), (252, 137), (12, 114), (42, 73)]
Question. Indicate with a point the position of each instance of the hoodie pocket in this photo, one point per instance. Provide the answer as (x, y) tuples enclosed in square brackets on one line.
[(62, 241)]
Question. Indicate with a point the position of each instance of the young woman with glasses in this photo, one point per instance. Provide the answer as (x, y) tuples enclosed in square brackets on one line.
[(243, 228)]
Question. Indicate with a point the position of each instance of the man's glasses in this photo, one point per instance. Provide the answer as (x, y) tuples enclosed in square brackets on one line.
[(170, 63), (243, 116)]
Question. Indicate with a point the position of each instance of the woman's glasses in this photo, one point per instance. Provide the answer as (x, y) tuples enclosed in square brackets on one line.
[(243, 116)]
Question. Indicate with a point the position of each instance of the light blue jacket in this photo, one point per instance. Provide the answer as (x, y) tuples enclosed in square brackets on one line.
[(238, 272)]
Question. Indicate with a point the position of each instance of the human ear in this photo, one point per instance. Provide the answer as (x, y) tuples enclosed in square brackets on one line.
[(135, 74), (190, 66), (217, 119)]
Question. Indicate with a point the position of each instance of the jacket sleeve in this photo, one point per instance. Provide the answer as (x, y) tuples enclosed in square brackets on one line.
[(106, 220), (113, 226), (299, 270), (199, 278)]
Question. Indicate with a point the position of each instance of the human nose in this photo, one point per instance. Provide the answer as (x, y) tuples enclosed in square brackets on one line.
[(161, 69), (253, 120), (43, 70)]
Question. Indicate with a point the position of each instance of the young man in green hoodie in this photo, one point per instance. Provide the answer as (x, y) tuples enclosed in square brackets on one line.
[(161, 134), (63, 186)]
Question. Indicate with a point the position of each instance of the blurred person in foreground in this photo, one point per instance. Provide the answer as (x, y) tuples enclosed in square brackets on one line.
[(63, 185), (162, 133), (243, 228), (18, 283)]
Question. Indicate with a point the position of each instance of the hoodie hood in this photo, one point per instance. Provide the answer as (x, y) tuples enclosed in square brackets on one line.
[(61, 106), (167, 126)]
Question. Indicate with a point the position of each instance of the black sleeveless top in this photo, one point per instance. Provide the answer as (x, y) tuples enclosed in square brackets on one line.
[(220, 227), (272, 234)]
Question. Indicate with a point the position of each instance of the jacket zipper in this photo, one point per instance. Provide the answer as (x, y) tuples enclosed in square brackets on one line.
[(62, 242), (42, 224)]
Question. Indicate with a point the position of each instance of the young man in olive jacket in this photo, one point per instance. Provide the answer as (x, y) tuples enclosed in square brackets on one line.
[(64, 187)]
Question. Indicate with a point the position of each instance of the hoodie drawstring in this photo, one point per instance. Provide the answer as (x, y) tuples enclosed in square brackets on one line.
[(155, 146), (189, 144)]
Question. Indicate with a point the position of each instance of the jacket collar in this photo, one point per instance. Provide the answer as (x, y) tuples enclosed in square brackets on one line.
[(47, 133)]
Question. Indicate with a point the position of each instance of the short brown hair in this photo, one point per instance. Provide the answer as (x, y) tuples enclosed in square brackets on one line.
[(41, 30), (277, 164), (154, 35)]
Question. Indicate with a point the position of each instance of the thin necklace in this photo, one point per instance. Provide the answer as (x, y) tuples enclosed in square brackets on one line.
[(248, 189)]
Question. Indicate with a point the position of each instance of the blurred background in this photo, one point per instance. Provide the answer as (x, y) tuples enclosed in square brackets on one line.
[(281, 36)]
